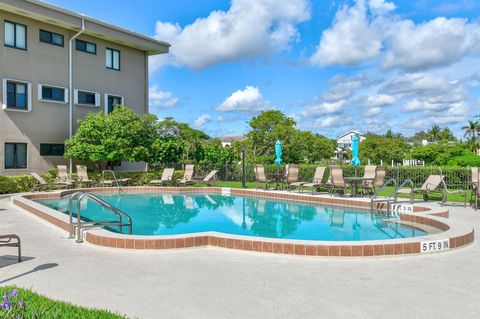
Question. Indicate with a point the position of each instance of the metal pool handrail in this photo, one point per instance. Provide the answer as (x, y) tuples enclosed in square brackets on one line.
[(412, 190), (375, 195), (114, 177), (80, 196)]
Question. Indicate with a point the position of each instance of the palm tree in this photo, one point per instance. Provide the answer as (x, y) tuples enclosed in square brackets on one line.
[(434, 133), (471, 129)]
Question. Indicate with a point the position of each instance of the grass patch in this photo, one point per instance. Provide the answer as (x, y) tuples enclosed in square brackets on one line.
[(37, 306), (387, 191)]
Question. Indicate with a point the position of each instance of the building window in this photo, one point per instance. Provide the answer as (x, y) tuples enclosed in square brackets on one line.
[(50, 93), (15, 155), (51, 38), (113, 59), (87, 47), (15, 35), (87, 98), (52, 149), (111, 102), (16, 95)]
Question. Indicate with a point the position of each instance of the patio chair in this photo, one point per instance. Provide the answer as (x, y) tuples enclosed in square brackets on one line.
[(260, 175), (12, 240), (82, 175), (336, 180), (42, 184), (474, 186), (167, 176), (370, 174), (292, 172), (209, 179), (316, 181), (435, 184), (187, 175), (379, 177), (63, 174)]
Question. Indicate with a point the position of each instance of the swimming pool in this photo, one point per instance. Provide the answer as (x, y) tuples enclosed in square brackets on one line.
[(173, 214)]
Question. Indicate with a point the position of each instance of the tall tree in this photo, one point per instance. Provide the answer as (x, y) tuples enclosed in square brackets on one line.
[(266, 128), (471, 129), (434, 133), (119, 136)]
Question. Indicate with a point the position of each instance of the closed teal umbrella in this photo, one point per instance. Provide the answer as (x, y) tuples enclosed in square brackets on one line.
[(355, 144), (278, 152)]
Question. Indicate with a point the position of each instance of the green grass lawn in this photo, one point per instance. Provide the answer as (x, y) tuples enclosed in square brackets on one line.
[(38, 306), (386, 192)]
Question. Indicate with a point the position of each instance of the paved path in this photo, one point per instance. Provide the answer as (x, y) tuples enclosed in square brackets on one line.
[(219, 283)]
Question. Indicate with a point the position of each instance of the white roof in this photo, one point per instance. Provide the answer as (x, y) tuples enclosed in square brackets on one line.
[(348, 133)]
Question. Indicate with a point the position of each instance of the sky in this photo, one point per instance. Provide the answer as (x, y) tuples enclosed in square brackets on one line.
[(334, 66)]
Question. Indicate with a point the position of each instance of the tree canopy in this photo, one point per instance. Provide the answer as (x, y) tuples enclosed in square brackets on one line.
[(119, 136)]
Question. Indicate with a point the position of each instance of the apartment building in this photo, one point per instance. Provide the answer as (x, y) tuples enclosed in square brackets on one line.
[(55, 67)]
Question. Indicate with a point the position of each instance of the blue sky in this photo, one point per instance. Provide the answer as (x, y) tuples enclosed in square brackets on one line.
[(369, 65)]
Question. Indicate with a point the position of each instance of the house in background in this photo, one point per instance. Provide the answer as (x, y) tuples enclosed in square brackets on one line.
[(42, 46), (228, 140), (344, 142)]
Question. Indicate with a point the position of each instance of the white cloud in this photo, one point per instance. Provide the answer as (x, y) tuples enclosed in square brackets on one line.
[(381, 6), (248, 29), (324, 108), (350, 40), (344, 87), (373, 111), (329, 121), (363, 31), (202, 120), (160, 99), (249, 100), (379, 100), (434, 43)]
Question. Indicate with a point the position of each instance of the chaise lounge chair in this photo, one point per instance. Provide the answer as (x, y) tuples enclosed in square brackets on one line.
[(316, 181), (167, 176), (369, 178), (260, 175), (63, 175), (12, 240), (82, 175), (336, 180), (187, 175), (435, 184), (292, 175), (210, 178), (42, 184), (474, 185)]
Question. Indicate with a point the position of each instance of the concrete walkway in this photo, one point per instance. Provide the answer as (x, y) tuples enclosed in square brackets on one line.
[(219, 283)]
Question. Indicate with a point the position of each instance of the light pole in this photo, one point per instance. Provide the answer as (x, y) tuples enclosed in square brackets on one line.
[(243, 166)]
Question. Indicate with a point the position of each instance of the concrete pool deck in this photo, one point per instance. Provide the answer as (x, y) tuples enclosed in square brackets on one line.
[(220, 283)]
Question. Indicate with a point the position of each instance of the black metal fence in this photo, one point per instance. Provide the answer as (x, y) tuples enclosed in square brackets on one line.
[(455, 177)]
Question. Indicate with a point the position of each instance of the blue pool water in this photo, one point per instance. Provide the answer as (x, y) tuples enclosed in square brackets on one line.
[(169, 214)]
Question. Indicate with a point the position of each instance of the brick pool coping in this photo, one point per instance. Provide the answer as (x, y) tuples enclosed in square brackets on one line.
[(458, 235)]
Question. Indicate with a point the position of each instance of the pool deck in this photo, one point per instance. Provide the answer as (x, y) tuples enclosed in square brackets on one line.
[(212, 282)]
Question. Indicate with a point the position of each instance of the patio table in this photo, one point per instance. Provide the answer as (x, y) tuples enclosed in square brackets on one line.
[(355, 181)]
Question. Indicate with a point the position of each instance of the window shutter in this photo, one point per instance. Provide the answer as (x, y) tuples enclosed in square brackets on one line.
[(39, 92), (29, 93), (4, 93), (66, 95), (75, 96), (97, 99), (123, 101)]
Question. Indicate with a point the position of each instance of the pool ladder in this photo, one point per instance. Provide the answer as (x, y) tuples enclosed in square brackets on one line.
[(80, 225), (392, 198), (114, 178)]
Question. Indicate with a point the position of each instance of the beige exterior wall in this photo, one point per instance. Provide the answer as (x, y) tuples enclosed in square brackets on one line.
[(43, 63)]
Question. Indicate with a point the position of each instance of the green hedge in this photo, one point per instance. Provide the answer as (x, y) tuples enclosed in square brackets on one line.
[(456, 178)]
